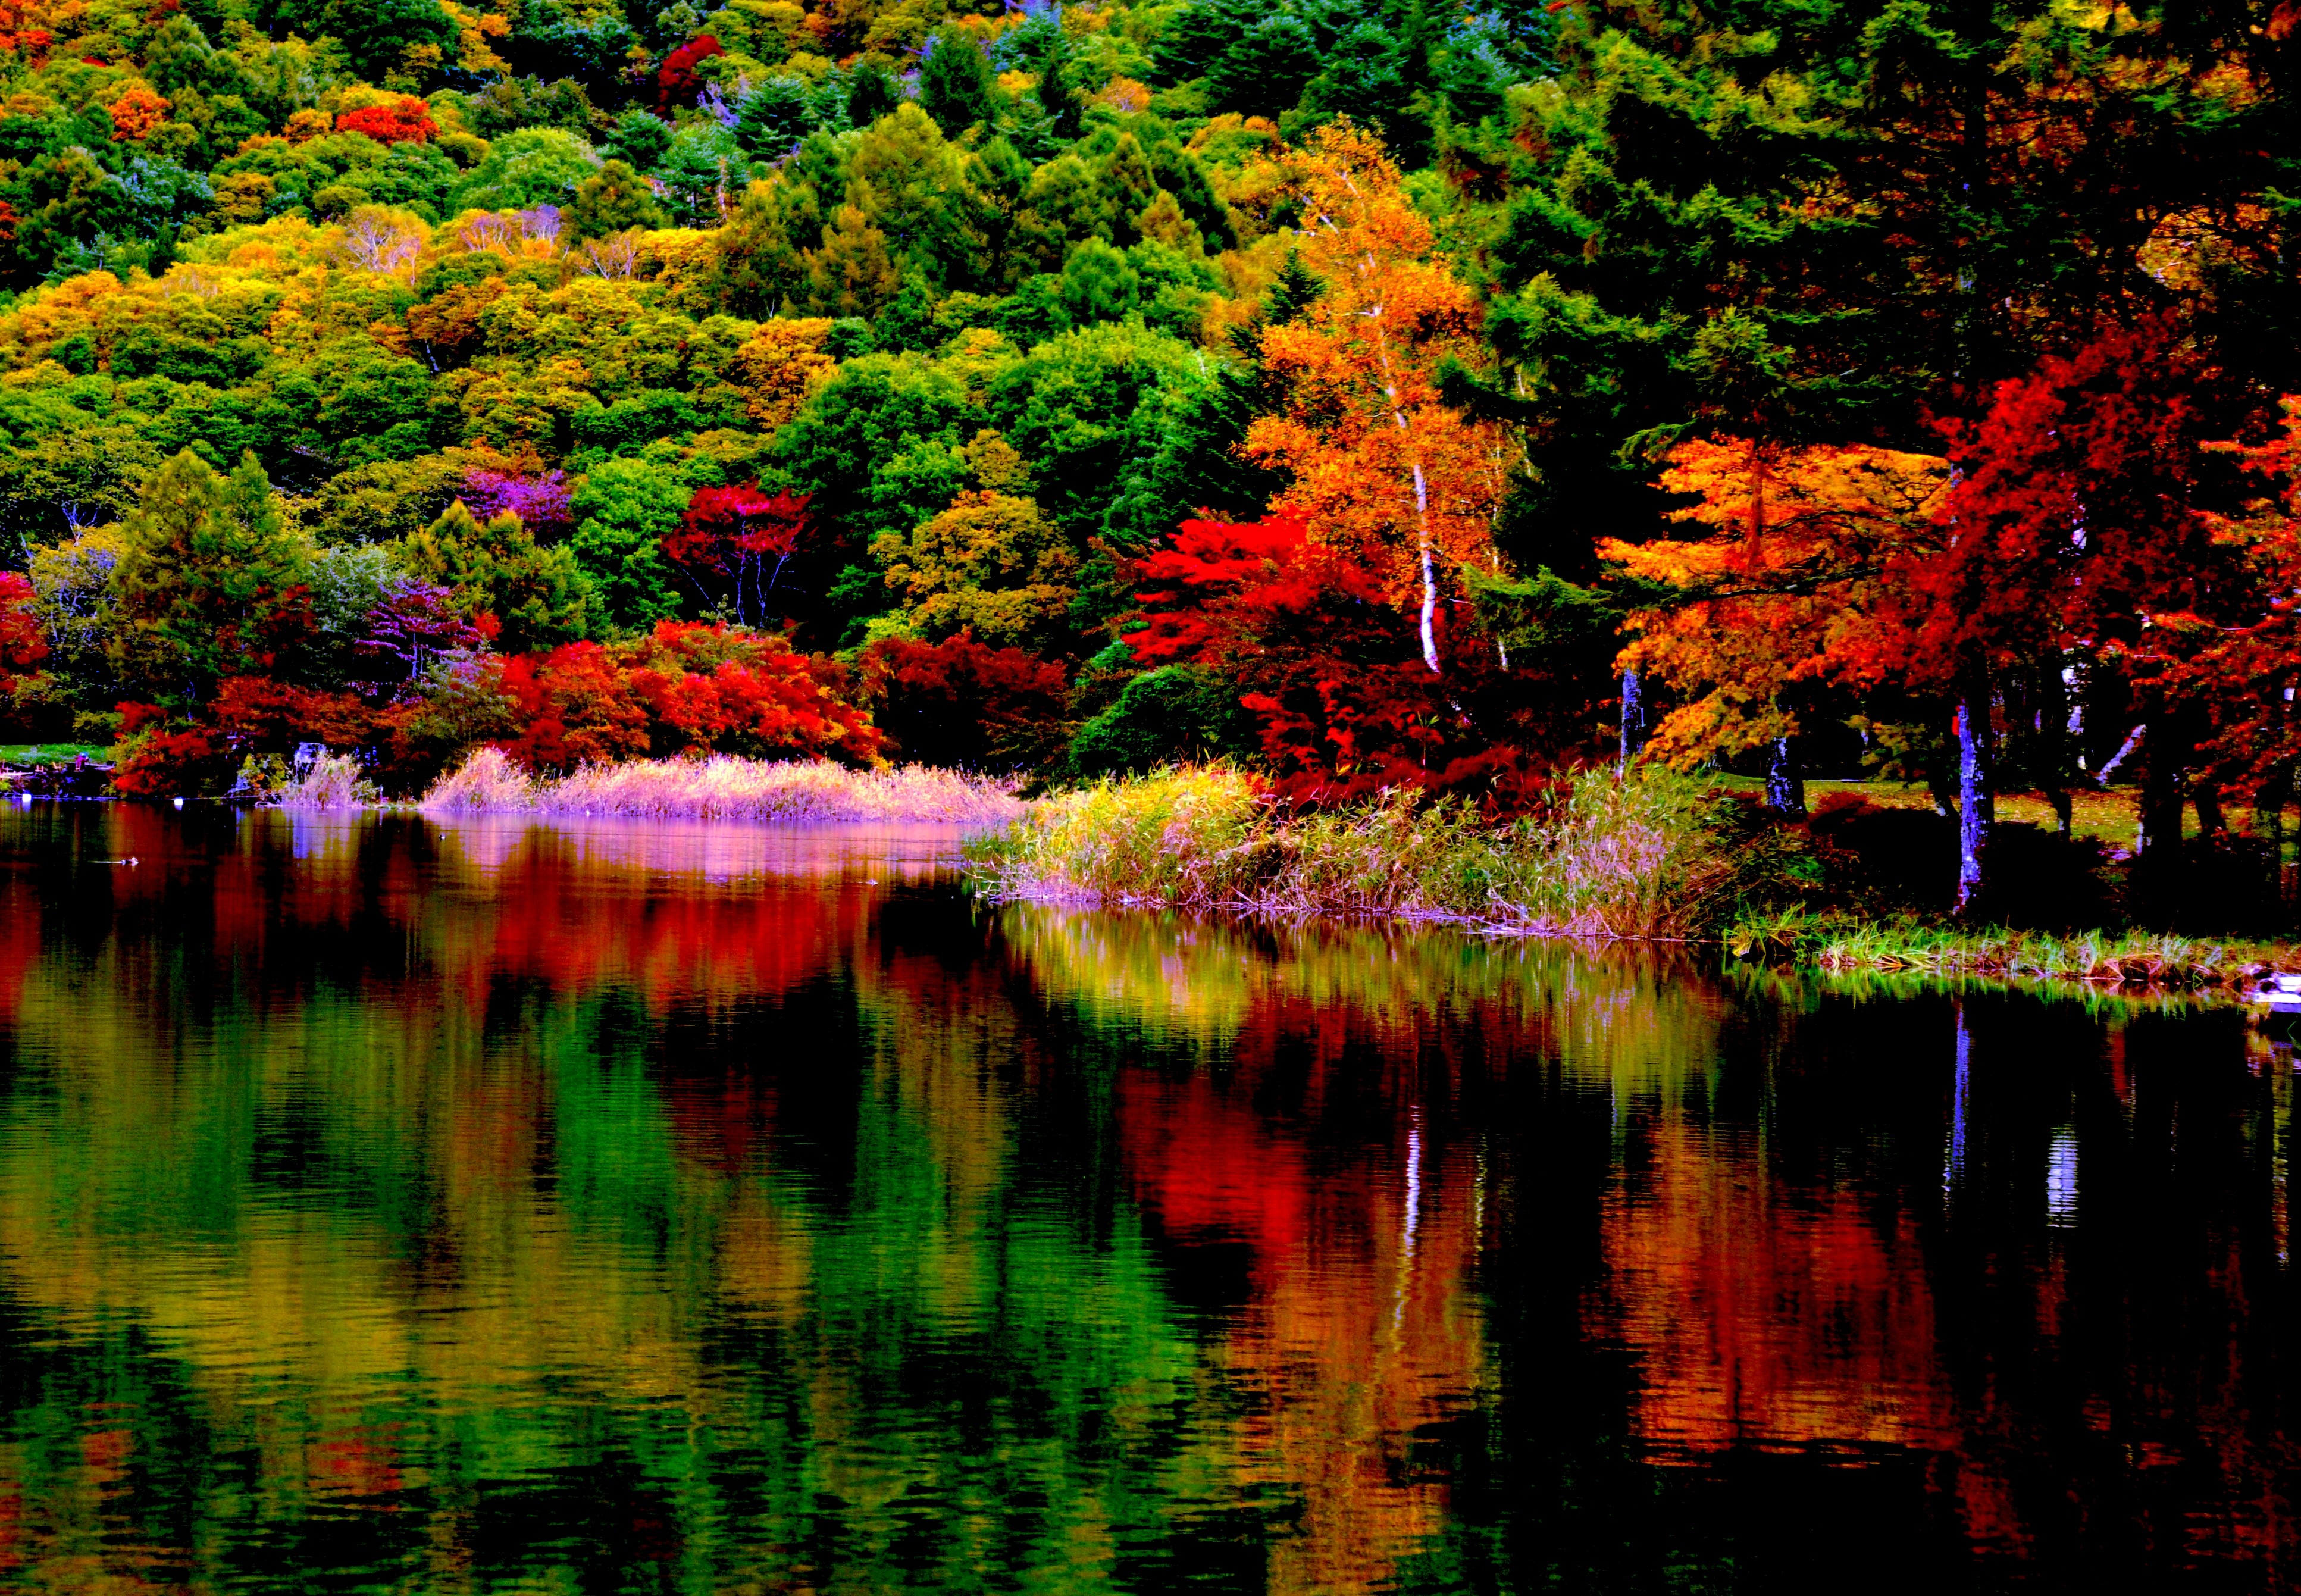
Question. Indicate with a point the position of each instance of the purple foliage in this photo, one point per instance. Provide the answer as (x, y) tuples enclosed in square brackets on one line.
[(713, 103), (540, 502), (541, 223)]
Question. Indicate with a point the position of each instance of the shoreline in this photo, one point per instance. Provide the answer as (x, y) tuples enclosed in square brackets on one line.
[(1659, 861)]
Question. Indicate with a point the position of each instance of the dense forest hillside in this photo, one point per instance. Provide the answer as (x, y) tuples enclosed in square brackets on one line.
[(1379, 392)]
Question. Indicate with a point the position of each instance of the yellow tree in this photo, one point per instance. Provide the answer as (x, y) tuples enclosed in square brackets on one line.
[(1792, 577), (1384, 469)]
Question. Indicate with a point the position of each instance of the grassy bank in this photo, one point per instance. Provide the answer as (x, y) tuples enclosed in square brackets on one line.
[(1658, 856), (728, 788), (2154, 958)]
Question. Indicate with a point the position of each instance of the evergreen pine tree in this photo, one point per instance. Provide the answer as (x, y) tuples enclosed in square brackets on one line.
[(956, 87), (872, 95)]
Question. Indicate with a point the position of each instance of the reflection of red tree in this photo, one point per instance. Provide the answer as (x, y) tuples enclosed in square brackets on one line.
[(19, 944), (357, 1463), (1360, 1327), (1760, 1318)]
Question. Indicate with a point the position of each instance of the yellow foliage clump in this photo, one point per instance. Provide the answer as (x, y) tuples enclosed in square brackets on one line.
[(782, 364), (1793, 566), (992, 563)]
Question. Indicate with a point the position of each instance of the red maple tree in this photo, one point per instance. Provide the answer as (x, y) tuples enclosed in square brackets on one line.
[(738, 542)]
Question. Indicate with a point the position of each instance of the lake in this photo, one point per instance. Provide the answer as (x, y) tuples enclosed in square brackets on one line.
[(394, 1205)]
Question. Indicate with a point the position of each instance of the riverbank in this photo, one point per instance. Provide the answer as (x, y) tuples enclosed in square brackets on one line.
[(1661, 858), (2101, 957)]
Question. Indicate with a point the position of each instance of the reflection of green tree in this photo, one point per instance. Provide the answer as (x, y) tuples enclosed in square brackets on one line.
[(460, 1245)]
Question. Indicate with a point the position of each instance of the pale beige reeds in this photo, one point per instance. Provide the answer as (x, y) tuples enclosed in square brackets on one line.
[(724, 787), (334, 782)]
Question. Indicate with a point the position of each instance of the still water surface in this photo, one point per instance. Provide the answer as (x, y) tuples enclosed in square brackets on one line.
[(508, 1207)]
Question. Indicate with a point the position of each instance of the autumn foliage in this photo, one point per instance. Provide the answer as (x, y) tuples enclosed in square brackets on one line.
[(1796, 578), (23, 685), (136, 113), (405, 121), (740, 541), (677, 82), (1328, 666), (682, 688), (1389, 476), (962, 704)]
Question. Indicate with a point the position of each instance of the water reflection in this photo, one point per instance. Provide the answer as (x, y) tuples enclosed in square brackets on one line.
[(398, 1206)]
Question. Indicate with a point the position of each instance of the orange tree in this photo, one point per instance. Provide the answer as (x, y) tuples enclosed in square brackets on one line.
[(1385, 473), (1791, 583)]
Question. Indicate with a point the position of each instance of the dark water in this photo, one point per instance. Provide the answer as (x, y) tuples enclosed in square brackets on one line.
[(388, 1207)]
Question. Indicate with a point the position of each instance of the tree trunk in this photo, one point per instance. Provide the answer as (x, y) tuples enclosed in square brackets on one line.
[(2268, 816), (1977, 803), (1634, 718), (1785, 782), (2157, 864), (2056, 735), (1429, 569), (2210, 821)]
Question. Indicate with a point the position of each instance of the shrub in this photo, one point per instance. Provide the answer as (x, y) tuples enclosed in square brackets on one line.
[(334, 782), (1166, 716), (959, 702)]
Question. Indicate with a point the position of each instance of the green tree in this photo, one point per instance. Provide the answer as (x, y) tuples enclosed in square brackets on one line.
[(872, 95), (611, 200), (539, 596), (535, 167), (956, 85), (760, 251), (1264, 72), (1366, 78), (775, 117), (1098, 285), (992, 564), (1087, 409), (209, 581), (997, 177), (387, 41), (623, 509), (910, 182), (852, 273), (1125, 187), (641, 138)]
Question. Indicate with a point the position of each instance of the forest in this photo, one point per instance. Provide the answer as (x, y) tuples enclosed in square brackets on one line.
[(1381, 396)]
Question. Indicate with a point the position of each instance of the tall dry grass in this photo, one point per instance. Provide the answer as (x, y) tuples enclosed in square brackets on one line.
[(721, 788), (334, 782), (1653, 856)]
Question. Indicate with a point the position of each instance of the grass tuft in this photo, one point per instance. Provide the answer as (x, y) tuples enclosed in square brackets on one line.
[(334, 782)]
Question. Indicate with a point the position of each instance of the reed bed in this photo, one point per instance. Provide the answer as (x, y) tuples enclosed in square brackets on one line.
[(1645, 858), (724, 787)]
